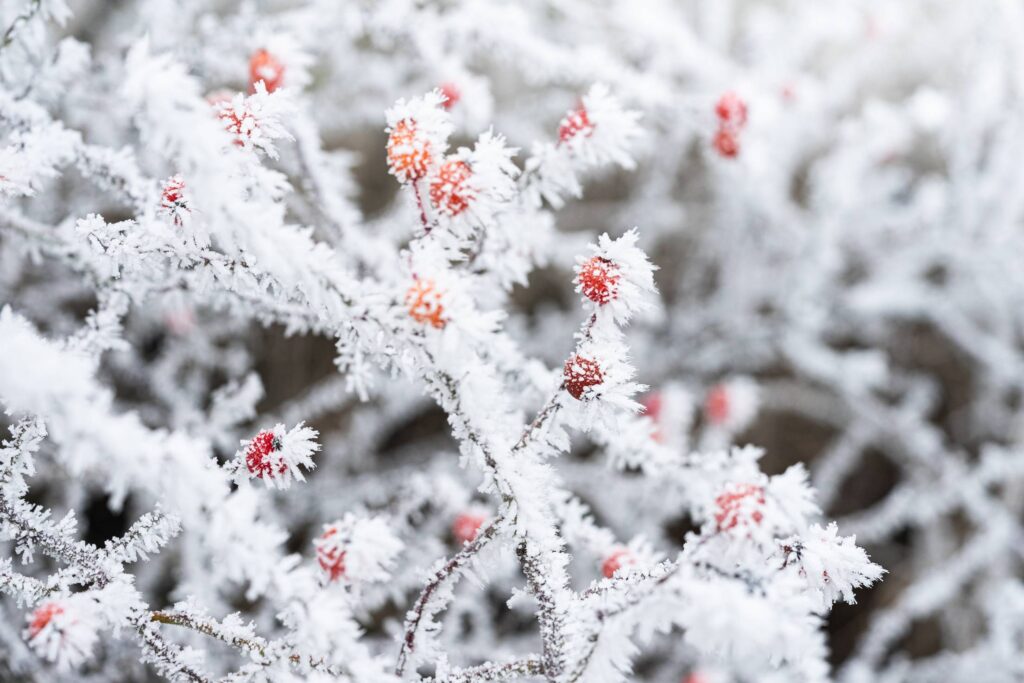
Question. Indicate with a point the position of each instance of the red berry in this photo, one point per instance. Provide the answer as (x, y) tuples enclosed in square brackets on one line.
[(695, 677), (466, 526), (258, 456), (575, 123), (727, 142), (451, 93), (330, 557), (616, 561), (265, 67), (731, 110), (424, 301), (652, 409), (41, 617), (408, 152), (716, 405), (734, 501), (172, 199), (599, 280), (449, 192), (579, 374)]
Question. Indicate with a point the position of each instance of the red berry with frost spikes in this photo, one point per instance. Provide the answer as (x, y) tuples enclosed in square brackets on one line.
[(424, 302), (737, 502), (717, 405), (449, 190), (330, 557), (616, 561), (727, 142), (731, 110), (466, 526), (409, 154), (599, 280), (452, 94), (264, 66), (258, 456), (575, 123), (42, 616), (579, 374), (172, 199)]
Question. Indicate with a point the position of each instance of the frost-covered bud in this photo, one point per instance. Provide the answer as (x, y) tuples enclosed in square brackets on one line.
[(452, 94), (466, 526), (277, 457), (173, 201), (449, 190), (357, 549), (424, 300), (255, 121), (731, 405), (731, 110), (600, 131), (618, 278), (265, 66), (580, 374), (739, 505), (418, 133), (726, 142), (618, 559), (576, 122), (62, 632), (832, 565)]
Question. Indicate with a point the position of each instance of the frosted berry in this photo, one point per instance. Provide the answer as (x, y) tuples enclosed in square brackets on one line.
[(717, 404), (449, 191), (731, 110), (579, 374), (240, 123), (598, 279), (740, 503), (695, 677), (652, 409), (263, 66), (727, 142), (617, 560), (409, 152), (575, 123), (452, 94), (424, 302), (259, 455), (466, 526), (172, 199), (329, 556), (42, 616)]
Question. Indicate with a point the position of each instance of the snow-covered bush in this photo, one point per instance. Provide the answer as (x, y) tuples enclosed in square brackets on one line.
[(568, 260)]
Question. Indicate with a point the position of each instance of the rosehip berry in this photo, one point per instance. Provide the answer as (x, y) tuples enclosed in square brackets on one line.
[(579, 374), (617, 560), (41, 617), (727, 142), (575, 123), (424, 301), (258, 456), (263, 66), (451, 93), (172, 199), (599, 280), (409, 152), (731, 110), (449, 191), (329, 556), (735, 501), (717, 404), (466, 526)]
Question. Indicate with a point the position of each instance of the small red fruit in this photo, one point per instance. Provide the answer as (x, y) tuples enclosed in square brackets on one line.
[(172, 199), (717, 404), (466, 526), (735, 501), (330, 557), (617, 560), (451, 93), (263, 66), (575, 123), (409, 152), (731, 110), (599, 280), (449, 191), (41, 617), (258, 455), (424, 301), (579, 374), (726, 142)]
